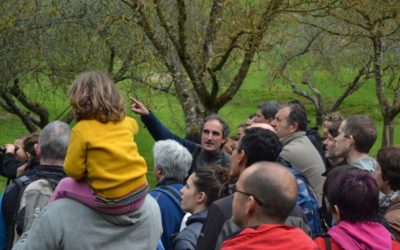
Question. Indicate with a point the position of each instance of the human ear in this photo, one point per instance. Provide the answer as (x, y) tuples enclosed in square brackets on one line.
[(202, 197)]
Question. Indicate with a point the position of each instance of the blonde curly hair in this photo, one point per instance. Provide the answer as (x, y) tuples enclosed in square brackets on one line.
[(93, 95)]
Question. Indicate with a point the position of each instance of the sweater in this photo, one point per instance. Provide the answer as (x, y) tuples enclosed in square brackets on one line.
[(106, 155), (69, 225)]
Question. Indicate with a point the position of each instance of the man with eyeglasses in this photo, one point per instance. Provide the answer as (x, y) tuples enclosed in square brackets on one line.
[(262, 213), (257, 144)]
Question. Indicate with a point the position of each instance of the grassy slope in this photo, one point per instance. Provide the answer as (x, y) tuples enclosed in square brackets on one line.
[(255, 90)]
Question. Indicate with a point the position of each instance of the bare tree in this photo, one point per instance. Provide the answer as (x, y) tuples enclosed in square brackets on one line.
[(374, 26), (45, 44), (206, 46), (326, 53)]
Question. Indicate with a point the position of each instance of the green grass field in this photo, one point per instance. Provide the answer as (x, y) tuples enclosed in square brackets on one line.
[(257, 87)]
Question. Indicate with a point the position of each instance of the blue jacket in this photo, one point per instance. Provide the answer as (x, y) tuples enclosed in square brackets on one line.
[(171, 213), (187, 238)]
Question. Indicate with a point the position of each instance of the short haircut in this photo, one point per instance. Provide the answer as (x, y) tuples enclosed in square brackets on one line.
[(93, 95), (363, 131), (277, 201), (210, 181), (333, 129), (172, 158), (54, 140), (297, 115), (356, 194), (225, 127), (389, 160), (260, 144), (269, 109)]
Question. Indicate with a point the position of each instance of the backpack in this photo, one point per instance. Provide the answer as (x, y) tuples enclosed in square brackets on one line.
[(34, 193), (306, 199)]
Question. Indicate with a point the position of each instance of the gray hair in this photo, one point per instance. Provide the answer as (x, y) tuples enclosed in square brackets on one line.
[(269, 109), (172, 158), (54, 140)]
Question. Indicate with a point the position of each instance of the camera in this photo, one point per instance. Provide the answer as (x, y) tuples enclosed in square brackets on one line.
[(3, 149)]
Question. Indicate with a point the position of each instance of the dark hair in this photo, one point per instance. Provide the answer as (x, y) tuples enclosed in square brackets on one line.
[(225, 127), (30, 141), (194, 135), (356, 194), (297, 115), (389, 160), (210, 180), (269, 109), (260, 144), (363, 131), (333, 129), (277, 201), (334, 172)]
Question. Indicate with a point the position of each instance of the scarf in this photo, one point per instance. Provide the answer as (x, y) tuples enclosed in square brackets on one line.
[(361, 235), (387, 200)]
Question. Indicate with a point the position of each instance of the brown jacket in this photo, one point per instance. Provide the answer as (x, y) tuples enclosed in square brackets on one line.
[(392, 216)]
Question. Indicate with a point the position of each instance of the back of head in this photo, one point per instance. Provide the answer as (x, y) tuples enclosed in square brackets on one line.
[(54, 140), (389, 161), (225, 127), (355, 193), (210, 181), (260, 144), (275, 187), (172, 158), (333, 117), (29, 143), (363, 131), (297, 115), (93, 95), (269, 109)]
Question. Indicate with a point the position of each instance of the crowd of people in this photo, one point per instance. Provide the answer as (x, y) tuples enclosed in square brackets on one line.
[(274, 184)]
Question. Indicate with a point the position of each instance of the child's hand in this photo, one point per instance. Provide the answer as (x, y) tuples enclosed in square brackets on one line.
[(138, 107)]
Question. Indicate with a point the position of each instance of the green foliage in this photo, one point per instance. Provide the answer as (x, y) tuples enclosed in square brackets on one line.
[(257, 87)]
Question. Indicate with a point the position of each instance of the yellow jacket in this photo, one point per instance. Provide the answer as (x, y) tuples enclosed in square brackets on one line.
[(106, 155)]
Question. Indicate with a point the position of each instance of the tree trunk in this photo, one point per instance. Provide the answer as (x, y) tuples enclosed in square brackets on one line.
[(388, 131), (193, 110)]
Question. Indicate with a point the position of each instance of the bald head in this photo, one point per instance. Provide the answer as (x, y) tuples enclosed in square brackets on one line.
[(274, 186)]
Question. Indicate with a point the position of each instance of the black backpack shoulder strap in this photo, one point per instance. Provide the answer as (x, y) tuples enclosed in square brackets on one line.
[(327, 241)]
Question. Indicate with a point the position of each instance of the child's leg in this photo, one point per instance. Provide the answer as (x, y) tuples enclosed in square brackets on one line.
[(77, 190), (81, 191), (124, 204), (122, 210)]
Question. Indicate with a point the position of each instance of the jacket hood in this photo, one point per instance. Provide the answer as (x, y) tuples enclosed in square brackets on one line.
[(361, 235), (124, 219)]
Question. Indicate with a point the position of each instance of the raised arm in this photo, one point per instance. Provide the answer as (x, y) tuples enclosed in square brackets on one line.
[(157, 130)]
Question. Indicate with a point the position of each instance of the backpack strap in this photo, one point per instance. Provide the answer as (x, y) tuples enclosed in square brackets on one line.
[(328, 242), (22, 182), (171, 192)]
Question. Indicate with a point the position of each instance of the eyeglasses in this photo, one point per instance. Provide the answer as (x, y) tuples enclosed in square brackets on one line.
[(232, 189)]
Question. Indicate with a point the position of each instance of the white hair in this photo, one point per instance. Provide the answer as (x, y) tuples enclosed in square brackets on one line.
[(172, 158)]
